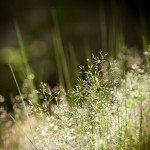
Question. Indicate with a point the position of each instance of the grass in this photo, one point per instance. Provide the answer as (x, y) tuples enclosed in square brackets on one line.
[(107, 107), (101, 111), (107, 112)]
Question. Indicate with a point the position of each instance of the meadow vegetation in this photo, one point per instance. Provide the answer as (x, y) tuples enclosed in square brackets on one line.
[(103, 105), (106, 109)]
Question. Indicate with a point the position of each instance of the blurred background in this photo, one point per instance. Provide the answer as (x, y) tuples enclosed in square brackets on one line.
[(84, 25)]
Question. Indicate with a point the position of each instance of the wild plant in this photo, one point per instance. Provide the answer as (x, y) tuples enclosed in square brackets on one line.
[(102, 112)]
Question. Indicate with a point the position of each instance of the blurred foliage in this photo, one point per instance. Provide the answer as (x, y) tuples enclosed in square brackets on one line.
[(53, 49), (119, 24)]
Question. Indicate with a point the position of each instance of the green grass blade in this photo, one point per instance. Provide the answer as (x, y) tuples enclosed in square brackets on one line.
[(26, 112)]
